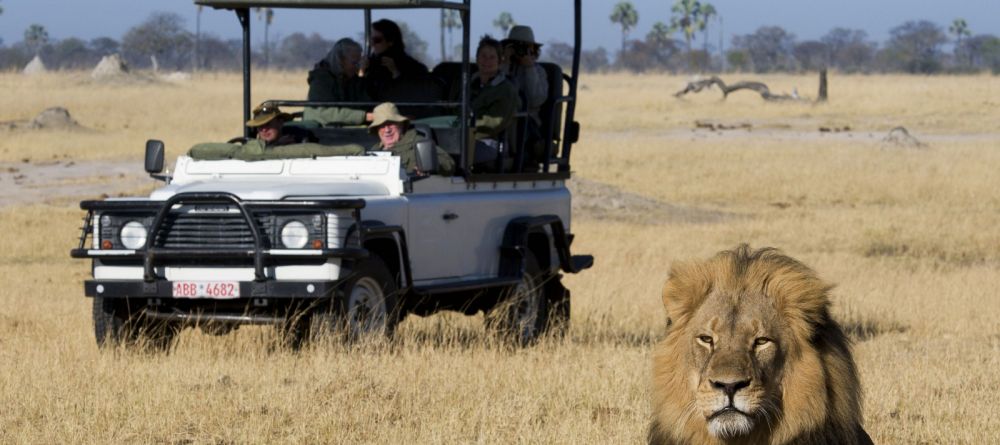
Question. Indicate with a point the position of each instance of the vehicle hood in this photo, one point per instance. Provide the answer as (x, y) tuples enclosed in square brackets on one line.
[(275, 190)]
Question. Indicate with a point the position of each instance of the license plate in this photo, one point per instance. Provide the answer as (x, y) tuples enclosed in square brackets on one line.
[(206, 289)]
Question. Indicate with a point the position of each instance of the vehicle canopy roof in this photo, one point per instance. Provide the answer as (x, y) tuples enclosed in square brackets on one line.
[(331, 4)]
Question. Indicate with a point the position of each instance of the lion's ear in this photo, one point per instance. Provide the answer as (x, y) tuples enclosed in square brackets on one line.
[(685, 290)]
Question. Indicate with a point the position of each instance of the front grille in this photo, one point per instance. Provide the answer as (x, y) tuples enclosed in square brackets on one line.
[(200, 231)]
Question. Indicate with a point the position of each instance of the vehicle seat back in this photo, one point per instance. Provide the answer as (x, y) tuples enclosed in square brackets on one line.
[(418, 89), (345, 135)]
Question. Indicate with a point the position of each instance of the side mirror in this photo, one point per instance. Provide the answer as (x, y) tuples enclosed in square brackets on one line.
[(154, 156), (572, 132), (427, 160)]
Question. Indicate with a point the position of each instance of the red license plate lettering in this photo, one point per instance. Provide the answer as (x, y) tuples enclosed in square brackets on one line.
[(206, 289)]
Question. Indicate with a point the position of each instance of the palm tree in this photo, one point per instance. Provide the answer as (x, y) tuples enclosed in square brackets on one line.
[(686, 14), (659, 34), (35, 37), (266, 14), (625, 15), (197, 40), (707, 13), (959, 28), (449, 20), (504, 22)]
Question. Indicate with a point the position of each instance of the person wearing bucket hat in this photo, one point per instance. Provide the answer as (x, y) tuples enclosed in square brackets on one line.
[(268, 120), (521, 66), (397, 136)]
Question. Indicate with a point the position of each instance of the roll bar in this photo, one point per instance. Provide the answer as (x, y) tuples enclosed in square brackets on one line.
[(570, 127)]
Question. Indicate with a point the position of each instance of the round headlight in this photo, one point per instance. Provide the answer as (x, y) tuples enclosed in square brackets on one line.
[(133, 235), (294, 235)]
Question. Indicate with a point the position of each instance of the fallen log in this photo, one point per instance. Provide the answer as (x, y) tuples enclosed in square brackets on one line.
[(760, 87)]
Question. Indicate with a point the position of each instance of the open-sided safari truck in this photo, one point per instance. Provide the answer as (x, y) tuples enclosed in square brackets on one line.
[(345, 244)]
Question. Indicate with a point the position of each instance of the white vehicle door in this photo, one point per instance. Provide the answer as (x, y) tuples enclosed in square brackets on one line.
[(455, 231)]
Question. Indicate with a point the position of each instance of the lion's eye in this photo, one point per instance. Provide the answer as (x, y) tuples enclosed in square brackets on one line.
[(706, 339), (761, 341)]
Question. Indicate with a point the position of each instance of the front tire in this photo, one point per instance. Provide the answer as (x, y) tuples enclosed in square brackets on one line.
[(116, 324), (366, 306)]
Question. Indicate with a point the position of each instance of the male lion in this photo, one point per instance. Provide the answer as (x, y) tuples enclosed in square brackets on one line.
[(752, 356)]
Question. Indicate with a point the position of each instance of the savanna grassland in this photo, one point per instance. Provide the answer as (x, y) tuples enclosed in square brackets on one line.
[(909, 234)]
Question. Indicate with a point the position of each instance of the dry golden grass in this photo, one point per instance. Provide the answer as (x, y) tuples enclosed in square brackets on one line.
[(909, 234)]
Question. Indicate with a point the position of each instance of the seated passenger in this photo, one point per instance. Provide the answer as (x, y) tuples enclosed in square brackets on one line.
[(397, 136), (389, 63), (494, 100), (335, 79), (522, 68), (270, 143)]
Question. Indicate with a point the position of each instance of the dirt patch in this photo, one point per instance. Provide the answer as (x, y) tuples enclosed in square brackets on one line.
[(596, 200), (61, 180)]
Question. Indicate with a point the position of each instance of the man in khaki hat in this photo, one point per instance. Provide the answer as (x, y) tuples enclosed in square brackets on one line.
[(397, 136), (521, 66)]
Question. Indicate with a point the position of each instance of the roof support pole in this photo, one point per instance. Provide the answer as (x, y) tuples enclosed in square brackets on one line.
[(571, 106), (464, 110), (368, 32), (243, 14)]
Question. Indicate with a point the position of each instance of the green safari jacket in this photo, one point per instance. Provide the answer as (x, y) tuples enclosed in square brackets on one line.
[(325, 86), (494, 105), (256, 150), (406, 149)]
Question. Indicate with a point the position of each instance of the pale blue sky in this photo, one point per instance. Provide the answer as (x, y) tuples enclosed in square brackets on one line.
[(807, 19)]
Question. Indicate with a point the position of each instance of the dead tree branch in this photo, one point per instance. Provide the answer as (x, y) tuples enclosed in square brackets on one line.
[(760, 87)]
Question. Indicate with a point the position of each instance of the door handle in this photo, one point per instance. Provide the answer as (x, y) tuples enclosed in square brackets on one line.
[(449, 216)]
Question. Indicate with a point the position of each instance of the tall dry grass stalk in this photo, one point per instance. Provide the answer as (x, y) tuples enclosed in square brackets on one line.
[(909, 234)]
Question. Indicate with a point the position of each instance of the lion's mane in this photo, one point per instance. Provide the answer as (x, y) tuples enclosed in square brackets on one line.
[(815, 395)]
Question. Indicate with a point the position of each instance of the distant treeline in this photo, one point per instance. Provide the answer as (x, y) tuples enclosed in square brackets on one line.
[(913, 47)]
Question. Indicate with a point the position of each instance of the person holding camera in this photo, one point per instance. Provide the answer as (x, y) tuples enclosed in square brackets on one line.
[(389, 63), (522, 68)]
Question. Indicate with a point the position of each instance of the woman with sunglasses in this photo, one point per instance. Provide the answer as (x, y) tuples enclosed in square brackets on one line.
[(389, 62)]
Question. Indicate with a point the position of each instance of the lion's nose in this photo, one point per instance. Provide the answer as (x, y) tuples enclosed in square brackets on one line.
[(730, 388)]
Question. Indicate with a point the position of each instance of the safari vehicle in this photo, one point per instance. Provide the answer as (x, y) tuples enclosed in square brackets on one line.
[(348, 244)]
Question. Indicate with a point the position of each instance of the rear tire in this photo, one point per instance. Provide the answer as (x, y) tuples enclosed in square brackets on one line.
[(521, 316)]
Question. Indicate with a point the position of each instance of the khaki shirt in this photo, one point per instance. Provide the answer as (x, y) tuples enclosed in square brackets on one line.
[(405, 148)]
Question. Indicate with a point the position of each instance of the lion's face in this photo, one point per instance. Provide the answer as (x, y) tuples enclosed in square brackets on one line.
[(751, 355), (735, 358)]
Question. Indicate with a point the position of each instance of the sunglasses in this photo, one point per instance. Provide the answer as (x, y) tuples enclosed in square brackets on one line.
[(377, 40)]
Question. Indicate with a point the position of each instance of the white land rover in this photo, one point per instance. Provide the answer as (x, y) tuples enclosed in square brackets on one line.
[(351, 244)]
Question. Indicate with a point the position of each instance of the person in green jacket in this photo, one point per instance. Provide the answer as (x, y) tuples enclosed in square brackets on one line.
[(270, 143), (335, 79), (494, 97), (494, 100), (397, 136)]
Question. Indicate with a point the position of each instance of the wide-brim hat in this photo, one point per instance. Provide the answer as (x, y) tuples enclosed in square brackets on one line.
[(265, 113), (385, 113), (521, 33)]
